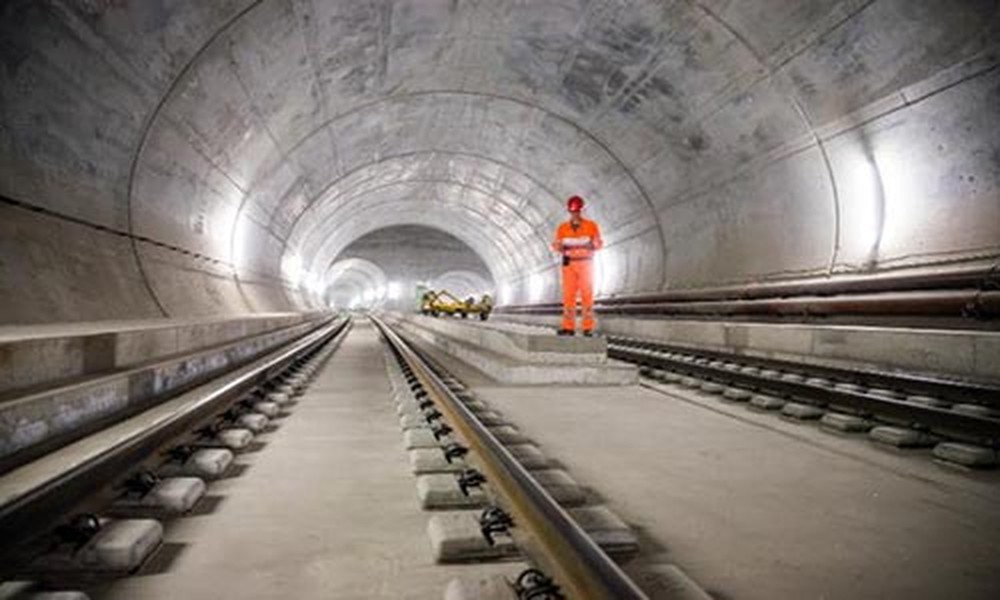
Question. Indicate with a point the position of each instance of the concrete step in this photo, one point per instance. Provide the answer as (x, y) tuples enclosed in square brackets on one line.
[(47, 354), (509, 355)]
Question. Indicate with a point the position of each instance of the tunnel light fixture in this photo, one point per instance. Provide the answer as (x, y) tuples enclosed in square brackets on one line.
[(863, 199), (314, 284), (604, 271), (291, 268), (536, 286), (241, 242), (506, 293), (902, 192)]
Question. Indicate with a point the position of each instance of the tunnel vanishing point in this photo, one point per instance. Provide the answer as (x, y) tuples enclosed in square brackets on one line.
[(219, 218)]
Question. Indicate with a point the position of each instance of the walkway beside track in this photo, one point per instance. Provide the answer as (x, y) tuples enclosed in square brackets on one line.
[(327, 508), (763, 509)]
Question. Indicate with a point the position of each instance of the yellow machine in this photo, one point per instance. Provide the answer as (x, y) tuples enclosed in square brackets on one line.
[(444, 303)]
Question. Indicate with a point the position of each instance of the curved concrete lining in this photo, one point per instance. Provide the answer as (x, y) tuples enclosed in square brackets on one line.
[(179, 156)]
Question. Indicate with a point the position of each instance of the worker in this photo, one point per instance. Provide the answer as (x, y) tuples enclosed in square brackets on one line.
[(576, 242)]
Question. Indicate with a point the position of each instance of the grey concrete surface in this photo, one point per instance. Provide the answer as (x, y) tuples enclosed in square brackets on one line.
[(120, 546), (327, 508), (170, 495), (517, 355), (538, 345), (189, 157), (56, 413), (54, 352), (752, 506)]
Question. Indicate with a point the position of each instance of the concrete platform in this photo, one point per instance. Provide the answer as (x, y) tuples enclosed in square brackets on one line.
[(969, 354), (325, 509), (525, 343), (54, 416), (520, 355), (32, 355)]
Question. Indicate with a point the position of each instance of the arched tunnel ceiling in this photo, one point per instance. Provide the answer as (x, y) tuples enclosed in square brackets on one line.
[(249, 133)]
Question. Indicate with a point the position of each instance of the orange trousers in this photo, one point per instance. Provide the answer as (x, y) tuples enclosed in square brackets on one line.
[(578, 278)]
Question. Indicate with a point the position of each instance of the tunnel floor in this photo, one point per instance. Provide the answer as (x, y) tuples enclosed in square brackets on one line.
[(754, 513), (326, 508), (749, 505)]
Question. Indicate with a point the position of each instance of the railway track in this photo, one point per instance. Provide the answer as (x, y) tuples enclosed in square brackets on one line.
[(959, 420), (565, 561), (91, 508), (60, 504)]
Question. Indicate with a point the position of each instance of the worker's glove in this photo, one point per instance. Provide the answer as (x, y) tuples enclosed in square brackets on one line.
[(565, 260)]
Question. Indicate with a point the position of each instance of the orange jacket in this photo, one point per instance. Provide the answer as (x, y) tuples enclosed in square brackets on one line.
[(579, 242)]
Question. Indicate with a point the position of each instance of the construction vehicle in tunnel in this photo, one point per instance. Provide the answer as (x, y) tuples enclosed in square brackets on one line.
[(444, 302)]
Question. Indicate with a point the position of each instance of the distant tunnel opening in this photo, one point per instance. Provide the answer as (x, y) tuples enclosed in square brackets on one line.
[(388, 268)]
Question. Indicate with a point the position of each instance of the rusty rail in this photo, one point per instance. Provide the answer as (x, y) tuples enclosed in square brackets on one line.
[(543, 530)]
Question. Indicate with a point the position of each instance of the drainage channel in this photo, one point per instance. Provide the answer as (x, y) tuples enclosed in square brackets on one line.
[(959, 421), (93, 510), (495, 496)]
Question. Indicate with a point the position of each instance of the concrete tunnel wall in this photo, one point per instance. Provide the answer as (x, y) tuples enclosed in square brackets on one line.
[(184, 158)]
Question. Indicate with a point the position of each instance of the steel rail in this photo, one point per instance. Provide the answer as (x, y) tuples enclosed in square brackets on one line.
[(951, 389), (44, 504), (543, 530), (939, 420)]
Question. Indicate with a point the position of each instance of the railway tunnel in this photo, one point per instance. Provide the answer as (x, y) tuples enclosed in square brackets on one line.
[(218, 221)]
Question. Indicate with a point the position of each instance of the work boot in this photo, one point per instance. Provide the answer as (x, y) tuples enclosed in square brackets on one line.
[(589, 334), (566, 332)]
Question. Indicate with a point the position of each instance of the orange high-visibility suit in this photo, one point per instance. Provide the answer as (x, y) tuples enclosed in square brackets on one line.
[(577, 245)]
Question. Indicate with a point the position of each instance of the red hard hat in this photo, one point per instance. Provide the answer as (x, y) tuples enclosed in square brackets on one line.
[(574, 204)]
